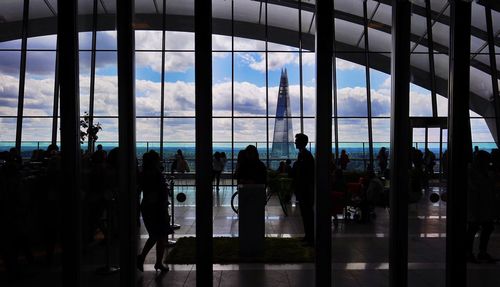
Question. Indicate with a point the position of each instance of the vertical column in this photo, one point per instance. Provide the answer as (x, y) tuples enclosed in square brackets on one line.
[(70, 140), (459, 142), (430, 49), (162, 104), (55, 110), (368, 86), (127, 154), (493, 69), (301, 78), (22, 75), (324, 83), (92, 72), (267, 86), (334, 76), (203, 98), (400, 143)]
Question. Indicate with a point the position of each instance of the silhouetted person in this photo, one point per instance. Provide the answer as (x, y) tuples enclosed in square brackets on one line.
[(481, 208), (344, 159), (95, 196), (15, 157), (51, 207), (303, 179), (373, 195), (218, 165), (154, 209), (339, 193), (417, 158), (430, 161), (281, 167), (444, 162), (99, 156), (250, 169), (179, 164), (382, 158), (10, 215), (288, 166), (476, 150)]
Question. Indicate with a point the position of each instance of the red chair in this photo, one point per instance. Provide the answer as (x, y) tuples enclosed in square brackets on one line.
[(353, 200)]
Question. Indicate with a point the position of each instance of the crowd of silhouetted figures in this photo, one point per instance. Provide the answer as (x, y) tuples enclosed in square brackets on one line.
[(31, 204), (31, 198)]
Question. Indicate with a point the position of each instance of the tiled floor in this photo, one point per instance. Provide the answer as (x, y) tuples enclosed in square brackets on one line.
[(359, 252)]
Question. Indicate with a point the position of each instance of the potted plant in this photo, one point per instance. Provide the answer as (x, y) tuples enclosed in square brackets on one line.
[(89, 130)]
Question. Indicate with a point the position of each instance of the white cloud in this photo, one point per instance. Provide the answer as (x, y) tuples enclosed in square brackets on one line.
[(9, 88), (344, 65), (275, 61), (174, 61), (221, 42)]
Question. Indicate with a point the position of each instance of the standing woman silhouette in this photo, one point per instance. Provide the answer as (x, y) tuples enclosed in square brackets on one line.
[(154, 209)]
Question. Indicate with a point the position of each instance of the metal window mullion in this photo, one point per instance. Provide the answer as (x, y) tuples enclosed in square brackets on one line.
[(430, 49), (22, 75), (55, 107), (232, 91), (440, 15), (426, 144), (493, 70), (368, 86), (92, 71), (162, 100), (301, 78), (335, 98), (267, 86)]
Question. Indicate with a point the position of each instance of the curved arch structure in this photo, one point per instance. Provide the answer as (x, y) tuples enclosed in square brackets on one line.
[(251, 23)]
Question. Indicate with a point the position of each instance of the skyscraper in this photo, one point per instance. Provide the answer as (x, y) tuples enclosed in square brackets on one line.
[(283, 146)]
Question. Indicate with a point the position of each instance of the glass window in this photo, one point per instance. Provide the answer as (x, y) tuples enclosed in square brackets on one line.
[(148, 83), (7, 133), (351, 89), (85, 59), (283, 69), (179, 40), (42, 42), (222, 84), (420, 102), (9, 82), (380, 93), (148, 40), (148, 130), (39, 85), (179, 84), (106, 85), (250, 84)]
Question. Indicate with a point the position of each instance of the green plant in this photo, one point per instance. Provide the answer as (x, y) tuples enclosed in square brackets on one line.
[(88, 130)]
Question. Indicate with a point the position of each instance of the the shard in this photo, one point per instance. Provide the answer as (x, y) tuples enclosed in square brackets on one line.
[(283, 139)]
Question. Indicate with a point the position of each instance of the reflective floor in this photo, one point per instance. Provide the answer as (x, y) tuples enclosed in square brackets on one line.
[(359, 251)]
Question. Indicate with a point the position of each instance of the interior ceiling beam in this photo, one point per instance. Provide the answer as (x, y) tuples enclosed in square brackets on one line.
[(52, 10), (416, 9)]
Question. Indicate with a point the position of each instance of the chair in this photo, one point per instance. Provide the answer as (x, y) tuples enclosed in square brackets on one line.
[(338, 205), (353, 200)]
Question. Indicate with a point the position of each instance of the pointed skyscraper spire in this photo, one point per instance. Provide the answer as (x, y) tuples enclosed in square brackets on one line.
[(283, 146)]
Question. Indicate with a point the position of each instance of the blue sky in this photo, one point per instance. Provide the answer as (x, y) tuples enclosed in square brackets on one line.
[(249, 90)]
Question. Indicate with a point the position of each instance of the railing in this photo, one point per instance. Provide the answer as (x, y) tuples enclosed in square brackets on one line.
[(357, 151)]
